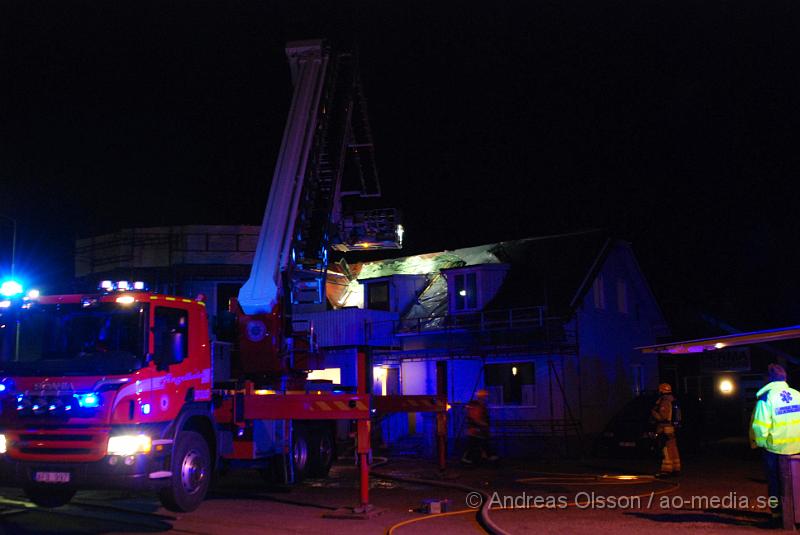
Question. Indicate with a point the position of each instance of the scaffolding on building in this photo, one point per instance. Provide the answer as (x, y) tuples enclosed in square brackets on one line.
[(494, 336)]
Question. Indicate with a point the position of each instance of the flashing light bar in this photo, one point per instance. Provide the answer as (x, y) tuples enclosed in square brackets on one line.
[(12, 290), (122, 286)]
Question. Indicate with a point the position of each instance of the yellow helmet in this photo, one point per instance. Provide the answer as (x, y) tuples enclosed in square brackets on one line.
[(664, 388)]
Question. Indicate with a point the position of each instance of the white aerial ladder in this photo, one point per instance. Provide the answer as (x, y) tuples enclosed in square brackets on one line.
[(324, 169), (326, 136), (308, 66)]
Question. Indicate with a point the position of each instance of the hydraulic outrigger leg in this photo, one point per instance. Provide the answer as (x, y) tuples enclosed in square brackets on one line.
[(363, 448), (363, 460)]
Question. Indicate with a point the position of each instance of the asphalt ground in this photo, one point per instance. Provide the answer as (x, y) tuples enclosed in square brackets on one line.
[(721, 490)]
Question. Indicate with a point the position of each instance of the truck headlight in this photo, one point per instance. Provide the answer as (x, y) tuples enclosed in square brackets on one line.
[(125, 445), (2, 443)]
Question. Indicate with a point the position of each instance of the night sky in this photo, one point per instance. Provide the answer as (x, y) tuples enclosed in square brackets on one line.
[(672, 124)]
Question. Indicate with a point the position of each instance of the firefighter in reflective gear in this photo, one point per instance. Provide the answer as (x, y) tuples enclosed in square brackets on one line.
[(661, 413), (776, 428), (478, 430)]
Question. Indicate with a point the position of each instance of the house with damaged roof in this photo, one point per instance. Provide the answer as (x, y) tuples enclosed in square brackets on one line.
[(547, 325)]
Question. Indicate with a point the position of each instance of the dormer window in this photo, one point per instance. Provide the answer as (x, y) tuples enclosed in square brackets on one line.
[(466, 291), (470, 288), (393, 293), (378, 296)]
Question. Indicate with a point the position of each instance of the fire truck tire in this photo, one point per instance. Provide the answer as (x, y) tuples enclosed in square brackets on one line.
[(301, 452), (49, 496), (191, 474), (323, 453)]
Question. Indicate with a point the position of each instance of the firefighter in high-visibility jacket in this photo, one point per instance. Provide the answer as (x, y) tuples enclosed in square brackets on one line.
[(776, 428), (661, 413)]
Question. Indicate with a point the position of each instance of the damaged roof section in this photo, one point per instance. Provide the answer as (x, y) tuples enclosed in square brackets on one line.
[(545, 271), (550, 271)]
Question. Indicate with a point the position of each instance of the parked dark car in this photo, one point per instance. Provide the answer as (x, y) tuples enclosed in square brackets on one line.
[(631, 433)]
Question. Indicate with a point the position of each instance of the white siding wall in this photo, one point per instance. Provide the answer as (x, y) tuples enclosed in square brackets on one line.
[(347, 326)]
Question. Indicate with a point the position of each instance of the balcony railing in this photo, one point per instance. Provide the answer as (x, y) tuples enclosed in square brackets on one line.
[(530, 320)]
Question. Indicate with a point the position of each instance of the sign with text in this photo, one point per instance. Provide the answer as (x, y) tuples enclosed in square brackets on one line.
[(733, 359)]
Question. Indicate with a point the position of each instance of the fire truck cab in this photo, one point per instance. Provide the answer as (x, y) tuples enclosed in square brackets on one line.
[(106, 391), (115, 391)]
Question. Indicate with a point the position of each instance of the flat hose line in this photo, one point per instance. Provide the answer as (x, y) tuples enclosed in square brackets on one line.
[(483, 513)]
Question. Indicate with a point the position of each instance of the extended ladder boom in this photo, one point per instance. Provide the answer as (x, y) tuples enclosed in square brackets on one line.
[(308, 62)]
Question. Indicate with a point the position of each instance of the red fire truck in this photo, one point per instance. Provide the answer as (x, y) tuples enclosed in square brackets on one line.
[(118, 389)]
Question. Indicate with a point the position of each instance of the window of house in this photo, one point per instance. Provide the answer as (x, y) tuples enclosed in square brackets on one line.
[(378, 296), (599, 293), (385, 380), (622, 296), (466, 291), (511, 383)]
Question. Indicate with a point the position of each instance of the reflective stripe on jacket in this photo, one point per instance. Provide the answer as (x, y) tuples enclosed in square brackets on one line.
[(776, 419)]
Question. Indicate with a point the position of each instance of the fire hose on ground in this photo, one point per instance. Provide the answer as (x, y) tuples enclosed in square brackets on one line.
[(483, 516)]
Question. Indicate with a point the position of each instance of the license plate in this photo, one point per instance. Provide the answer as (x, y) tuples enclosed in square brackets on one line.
[(52, 477), (627, 444)]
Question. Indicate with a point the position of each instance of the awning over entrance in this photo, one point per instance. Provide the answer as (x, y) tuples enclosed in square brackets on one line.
[(720, 342)]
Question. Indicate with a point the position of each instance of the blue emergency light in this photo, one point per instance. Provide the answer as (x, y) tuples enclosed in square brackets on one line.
[(88, 401), (10, 288)]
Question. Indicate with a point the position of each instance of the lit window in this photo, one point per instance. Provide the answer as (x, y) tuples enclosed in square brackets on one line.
[(511, 384), (334, 375), (466, 290), (385, 380)]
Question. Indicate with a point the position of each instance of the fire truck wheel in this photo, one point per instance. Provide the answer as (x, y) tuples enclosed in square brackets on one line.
[(301, 453), (49, 496), (323, 453), (191, 473)]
